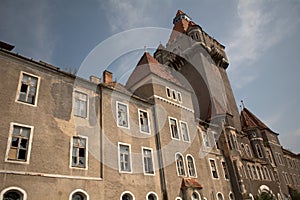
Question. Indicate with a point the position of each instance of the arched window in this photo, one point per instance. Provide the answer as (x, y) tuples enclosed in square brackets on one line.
[(220, 196), (180, 165), (258, 172), (259, 150), (127, 196), (247, 149), (191, 166), (249, 171), (254, 172), (243, 150), (79, 194), (13, 193), (195, 196), (231, 197), (151, 196)]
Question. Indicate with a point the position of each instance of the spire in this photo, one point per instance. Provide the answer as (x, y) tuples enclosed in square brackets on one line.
[(147, 59)]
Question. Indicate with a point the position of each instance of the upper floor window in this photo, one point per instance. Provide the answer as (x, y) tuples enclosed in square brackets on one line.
[(205, 139), (13, 193), (80, 104), (148, 161), (79, 152), (184, 131), (144, 121), (168, 91), (180, 164), (174, 95), (28, 88), (179, 98), (174, 128), (152, 196), (220, 196), (124, 158), (247, 149), (216, 139), (259, 151), (122, 115), (191, 166), (269, 156), (127, 196), (226, 176), (19, 143), (249, 171), (213, 168)]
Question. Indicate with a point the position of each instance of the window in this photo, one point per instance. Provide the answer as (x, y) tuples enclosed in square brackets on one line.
[(231, 197), (191, 166), (168, 91), (220, 196), (226, 176), (13, 193), (80, 104), (174, 95), (184, 131), (195, 196), (216, 139), (269, 156), (28, 89), (243, 149), (249, 171), (144, 121), (78, 196), (205, 139), (124, 158), (180, 165), (259, 151), (152, 196), (79, 152), (247, 149), (213, 168), (122, 114), (254, 172), (19, 143), (148, 161), (279, 158), (179, 97), (173, 128), (258, 172), (127, 196)]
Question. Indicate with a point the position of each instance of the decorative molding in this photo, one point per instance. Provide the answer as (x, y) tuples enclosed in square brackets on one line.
[(172, 103)]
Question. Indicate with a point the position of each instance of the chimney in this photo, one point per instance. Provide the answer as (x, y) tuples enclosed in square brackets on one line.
[(107, 77), (95, 79)]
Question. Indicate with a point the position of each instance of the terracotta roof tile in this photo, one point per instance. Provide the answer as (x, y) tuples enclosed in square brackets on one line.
[(190, 183)]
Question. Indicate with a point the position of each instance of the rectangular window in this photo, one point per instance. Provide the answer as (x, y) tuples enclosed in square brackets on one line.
[(144, 121), (213, 168), (80, 104), (148, 161), (28, 89), (216, 139), (205, 139), (226, 176), (174, 95), (184, 131), (124, 158), (122, 115), (168, 91), (79, 152), (174, 128), (19, 143), (179, 97)]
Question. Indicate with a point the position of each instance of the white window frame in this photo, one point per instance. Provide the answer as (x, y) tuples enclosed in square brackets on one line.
[(127, 192), (218, 195), (230, 193), (152, 160), (127, 110), (148, 121), (86, 152), (12, 124), (206, 136), (259, 151), (130, 159), (179, 97), (170, 91), (156, 196), (172, 118), (183, 164), (172, 94), (211, 171), (80, 191), (194, 165), (87, 104), (199, 196), (13, 188), (225, 172), (187, 131), (19, 89)]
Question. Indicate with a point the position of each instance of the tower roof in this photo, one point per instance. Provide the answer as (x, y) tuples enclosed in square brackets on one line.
[(249, 120)]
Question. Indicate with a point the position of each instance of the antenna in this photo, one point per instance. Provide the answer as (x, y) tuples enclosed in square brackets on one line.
[(242, 106), (145, 48)]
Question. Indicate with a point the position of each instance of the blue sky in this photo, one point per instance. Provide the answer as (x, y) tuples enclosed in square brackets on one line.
[(261, 38)]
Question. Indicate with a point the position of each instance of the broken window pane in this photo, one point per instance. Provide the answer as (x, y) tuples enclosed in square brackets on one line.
[(122, 115), (27, 91), (79, 152), (144, 122)]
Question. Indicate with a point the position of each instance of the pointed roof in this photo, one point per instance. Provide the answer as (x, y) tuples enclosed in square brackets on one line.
[(179, 12), (249, 120), (147, 59)]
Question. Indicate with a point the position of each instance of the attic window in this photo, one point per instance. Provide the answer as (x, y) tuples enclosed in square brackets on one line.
[(168, 92)]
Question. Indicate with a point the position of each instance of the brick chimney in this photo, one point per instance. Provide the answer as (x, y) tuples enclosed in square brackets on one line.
[(107, 76)]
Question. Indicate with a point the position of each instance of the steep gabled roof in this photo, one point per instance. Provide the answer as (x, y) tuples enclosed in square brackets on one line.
[(249, 120)]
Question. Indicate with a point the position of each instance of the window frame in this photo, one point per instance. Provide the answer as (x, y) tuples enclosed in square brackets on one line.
[(79, 191), (194, 165), (129, 156), (152, 160), (86, 152), (19, 88), (9, 140), (87, 104), (148, 121), (187, 131), (170, 91), (177, 127), (259, 151), (183, 164), (219, 193), (206, 139), (149, 193), (127, 192), (225, 171), (13, 188), (211, 171), (127, 116), (179, 97)]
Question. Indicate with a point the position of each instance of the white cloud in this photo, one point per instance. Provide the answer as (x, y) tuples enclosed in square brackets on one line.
[(262, 25)]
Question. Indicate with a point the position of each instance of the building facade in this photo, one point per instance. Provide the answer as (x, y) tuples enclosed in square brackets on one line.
[(173, 131)]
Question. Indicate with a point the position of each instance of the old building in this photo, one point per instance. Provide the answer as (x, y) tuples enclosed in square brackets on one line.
[(173, 131)]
